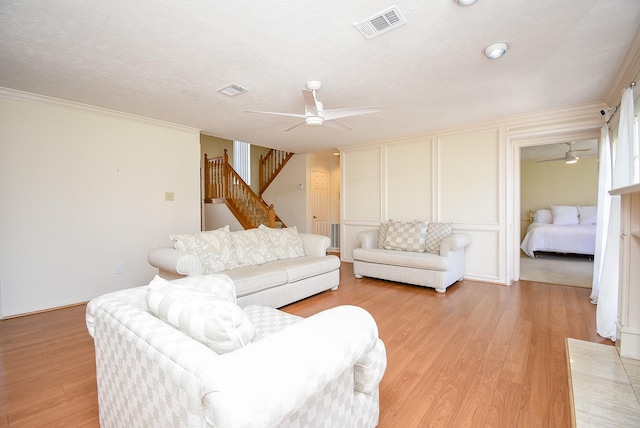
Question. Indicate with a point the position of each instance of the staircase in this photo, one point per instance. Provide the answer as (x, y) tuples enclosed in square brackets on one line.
[(222, 184)]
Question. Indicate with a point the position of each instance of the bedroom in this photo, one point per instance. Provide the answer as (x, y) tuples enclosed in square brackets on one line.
[(547, 180)]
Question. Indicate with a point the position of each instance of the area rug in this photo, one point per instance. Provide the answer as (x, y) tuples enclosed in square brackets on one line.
[(563, 270)]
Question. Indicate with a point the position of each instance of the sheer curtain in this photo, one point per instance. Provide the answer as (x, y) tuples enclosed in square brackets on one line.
[(607, 309), (604, 207)]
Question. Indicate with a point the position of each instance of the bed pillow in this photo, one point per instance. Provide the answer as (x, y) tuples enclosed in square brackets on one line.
[(436, 232), (406, 236), (543, 216), (588, 214), (564, 214)]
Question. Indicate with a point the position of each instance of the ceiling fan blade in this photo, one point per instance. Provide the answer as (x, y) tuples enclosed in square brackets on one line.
[(346, 112), (275, 113), (294, 126), (552, 160), (337, 125), (310, 102)]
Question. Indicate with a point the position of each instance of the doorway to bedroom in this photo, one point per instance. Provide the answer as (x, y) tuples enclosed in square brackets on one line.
[(546, 180)]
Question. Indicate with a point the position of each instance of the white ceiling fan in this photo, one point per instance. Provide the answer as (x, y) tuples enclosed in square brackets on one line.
[(571, 156), (316, 115)]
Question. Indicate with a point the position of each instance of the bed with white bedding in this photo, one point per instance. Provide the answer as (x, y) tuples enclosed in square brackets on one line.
[(563, 229)]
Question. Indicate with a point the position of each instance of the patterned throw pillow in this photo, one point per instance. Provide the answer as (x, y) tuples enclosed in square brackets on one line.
[(382, 233), (213, 247), (219, 324), (252, 247), (407, 236), (285, 242), (436, 232)]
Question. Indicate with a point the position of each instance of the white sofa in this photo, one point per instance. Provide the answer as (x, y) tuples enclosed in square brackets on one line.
[(182, 353), (412, 263), (270, 267)]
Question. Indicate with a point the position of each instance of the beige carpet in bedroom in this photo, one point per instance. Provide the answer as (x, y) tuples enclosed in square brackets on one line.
[(562, 270)]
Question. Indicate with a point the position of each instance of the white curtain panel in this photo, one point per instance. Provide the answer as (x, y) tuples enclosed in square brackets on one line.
[(604, 207), (607, 309)]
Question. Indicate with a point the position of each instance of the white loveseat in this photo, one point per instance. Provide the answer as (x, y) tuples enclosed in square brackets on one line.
[(407, 252), (270, 267), (182, 353)]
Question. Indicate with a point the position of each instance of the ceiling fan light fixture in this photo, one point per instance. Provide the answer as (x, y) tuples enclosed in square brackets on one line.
[(314, 120), (571, 161), (465, 2), (496, 50)]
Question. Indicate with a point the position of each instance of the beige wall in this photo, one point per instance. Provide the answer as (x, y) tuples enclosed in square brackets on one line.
[(469, 176), (555, 183), (83, 193)]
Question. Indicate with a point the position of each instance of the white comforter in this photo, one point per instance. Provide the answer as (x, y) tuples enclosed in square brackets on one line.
[(574, 239)]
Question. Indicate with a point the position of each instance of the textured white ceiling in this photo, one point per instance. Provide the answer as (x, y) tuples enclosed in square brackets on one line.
[(166, 60)]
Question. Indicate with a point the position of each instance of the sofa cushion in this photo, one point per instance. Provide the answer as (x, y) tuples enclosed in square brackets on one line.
[(268, 320), (406, 236), (301, 268), (436, 232), (285, 242), (252, 247), (382, 233), (427, 261), (214, 248), (219, 324), (252, 279)]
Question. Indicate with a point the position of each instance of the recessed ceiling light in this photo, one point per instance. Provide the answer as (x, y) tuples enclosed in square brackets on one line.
[(496, 50), (465, 2)]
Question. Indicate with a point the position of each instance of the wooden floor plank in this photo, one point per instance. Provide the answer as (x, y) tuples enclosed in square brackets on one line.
[(479, 355)]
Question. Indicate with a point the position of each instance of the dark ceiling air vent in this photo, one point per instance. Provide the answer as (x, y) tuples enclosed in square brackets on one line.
[(381, 22)]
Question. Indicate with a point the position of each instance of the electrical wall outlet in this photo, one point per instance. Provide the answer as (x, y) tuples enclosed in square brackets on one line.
[(168, 196)]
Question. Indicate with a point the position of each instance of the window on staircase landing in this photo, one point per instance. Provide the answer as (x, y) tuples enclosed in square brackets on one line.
[(242, 160)]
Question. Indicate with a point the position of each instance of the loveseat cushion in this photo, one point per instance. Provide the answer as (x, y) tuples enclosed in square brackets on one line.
[(269, 320), (285, 242), (427, 261), (406, 236), (252, 247), (436, 232), (214, 248), (219, 324), (252, 279), (300, 268)]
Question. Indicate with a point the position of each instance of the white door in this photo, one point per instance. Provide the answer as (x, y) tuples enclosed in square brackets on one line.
[(320, 202)]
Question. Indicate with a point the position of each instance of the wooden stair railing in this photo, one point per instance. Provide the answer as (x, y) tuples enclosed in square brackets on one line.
[(222, 184), (270, 166)]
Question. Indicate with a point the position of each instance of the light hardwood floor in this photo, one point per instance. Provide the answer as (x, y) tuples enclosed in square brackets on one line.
[(479, 355)]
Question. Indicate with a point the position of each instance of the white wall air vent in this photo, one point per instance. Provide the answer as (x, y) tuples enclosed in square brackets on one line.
[(381, 22), (232, 90)]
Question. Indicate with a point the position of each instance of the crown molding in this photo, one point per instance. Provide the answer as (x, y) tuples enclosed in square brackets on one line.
[(14, 94)]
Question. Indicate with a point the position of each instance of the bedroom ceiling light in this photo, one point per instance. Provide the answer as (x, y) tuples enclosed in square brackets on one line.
[(496, 50), (465, 2), (571, 158)]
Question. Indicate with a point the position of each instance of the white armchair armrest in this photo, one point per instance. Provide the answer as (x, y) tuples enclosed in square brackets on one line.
[(368, 238), (173, 263), (266, 382)]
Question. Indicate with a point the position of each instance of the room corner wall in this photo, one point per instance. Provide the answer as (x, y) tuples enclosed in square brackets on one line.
[(83, 199)]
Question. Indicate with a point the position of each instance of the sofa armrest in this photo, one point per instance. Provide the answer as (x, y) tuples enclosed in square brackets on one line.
[(454, 242), (368, 238), (268, 381), (174, 262), (315, 245)]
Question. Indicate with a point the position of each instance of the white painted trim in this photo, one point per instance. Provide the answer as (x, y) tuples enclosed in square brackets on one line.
[(27, 96)]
